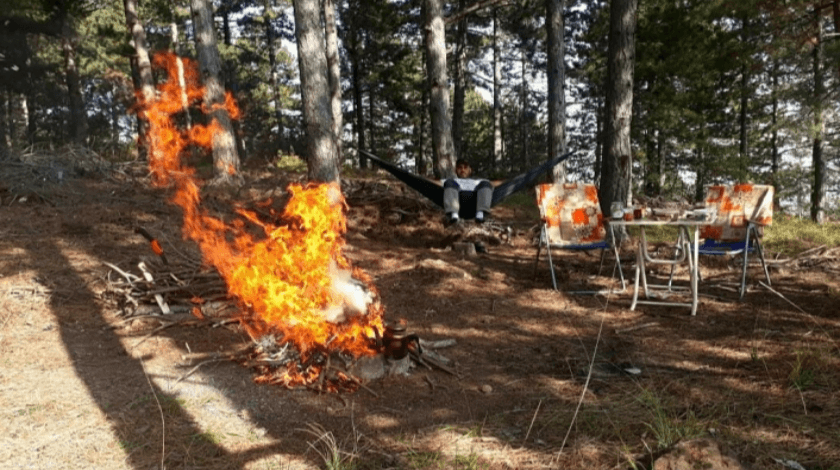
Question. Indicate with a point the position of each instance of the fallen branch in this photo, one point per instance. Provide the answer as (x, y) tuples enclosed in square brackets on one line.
[(635, 327)]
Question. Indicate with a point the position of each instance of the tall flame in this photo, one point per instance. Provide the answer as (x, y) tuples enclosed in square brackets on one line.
[(292, 277)]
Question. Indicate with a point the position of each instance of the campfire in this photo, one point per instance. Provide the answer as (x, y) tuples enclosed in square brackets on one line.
[(311, 314)]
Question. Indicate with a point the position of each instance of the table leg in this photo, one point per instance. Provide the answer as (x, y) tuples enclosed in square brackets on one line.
[(639, 262), (694, 267)]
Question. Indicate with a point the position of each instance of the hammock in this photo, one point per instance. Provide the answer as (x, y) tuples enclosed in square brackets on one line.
[(434, 191)]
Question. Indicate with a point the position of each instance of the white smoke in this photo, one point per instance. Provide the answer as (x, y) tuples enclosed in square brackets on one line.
[(351, 297)]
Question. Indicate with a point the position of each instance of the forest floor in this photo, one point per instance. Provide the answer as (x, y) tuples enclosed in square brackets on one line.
[(545, 379)]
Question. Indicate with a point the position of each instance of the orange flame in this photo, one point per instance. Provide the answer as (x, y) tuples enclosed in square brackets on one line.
[(293, 278)]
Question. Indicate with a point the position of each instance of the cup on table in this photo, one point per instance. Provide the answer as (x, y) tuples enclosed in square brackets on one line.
[(711, 214), (617, 210), (628, 214), (638, 213)]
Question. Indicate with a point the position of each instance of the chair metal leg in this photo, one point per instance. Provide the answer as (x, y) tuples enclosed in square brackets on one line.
[(544, 239), (746, 261), (760, 250), (551, 266)]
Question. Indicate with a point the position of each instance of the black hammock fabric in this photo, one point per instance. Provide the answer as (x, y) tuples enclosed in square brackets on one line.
[(467, 199)]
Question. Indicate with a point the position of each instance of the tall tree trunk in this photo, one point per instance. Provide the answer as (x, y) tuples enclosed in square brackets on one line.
[(422, 161), (371, 121), (556, 80), (274, 80), (599, 141), (524, 121), (497, 94), (358, 110), (818, 190), (78, 113), (5, 117), (618, 163), (743, 149), (442, 145), (660, 162), (460, 84), (774, 123), (228, 74), (225, 159), (321, 150), (145, 86), (333, 74), (175, 41), (700, 179)]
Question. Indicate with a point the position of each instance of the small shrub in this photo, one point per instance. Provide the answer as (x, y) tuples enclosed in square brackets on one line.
[(667, 428)]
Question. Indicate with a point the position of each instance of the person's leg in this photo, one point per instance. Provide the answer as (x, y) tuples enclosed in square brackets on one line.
[(451, 204), (484, 197)]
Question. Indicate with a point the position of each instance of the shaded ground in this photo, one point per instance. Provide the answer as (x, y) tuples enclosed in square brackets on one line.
[(80, 388)]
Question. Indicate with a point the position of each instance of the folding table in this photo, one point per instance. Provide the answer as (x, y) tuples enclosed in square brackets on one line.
[(687, 252)]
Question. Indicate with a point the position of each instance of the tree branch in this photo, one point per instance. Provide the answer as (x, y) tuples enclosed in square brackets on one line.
[(479, 5)]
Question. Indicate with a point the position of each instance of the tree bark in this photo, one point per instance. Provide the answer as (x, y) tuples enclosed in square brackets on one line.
[(818, 190), (358, 110), (497, 95), (174, 38), (78, 113), (225, 158), (274, 80), (460, 85), (422, 161), (5, 128), (617, 163), (775, 142), (321, 150), (556, 81), (334, 74), (145, 86), (442, 146), (525, 155)]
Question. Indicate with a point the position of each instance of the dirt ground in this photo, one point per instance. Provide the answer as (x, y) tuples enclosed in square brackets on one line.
[(80, 387)]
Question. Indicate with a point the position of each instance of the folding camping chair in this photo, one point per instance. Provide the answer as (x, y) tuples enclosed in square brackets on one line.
[(571, 219), (738, 215)]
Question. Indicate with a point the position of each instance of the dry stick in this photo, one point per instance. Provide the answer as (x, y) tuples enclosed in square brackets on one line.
[(439, 365), (162, 418), (128, 276), (191, 371), (803, 311), (165, 290), (148, 276), (532, 423)]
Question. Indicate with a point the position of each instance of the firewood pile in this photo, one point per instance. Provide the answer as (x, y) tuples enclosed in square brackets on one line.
[(155, 288), (188, 293)]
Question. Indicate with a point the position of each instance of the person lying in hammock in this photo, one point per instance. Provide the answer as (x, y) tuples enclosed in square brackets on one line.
[(463, 182), (470, 203)]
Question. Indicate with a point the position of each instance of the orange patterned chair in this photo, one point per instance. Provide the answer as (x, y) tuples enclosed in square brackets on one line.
[(738, 215), (571, 220)]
